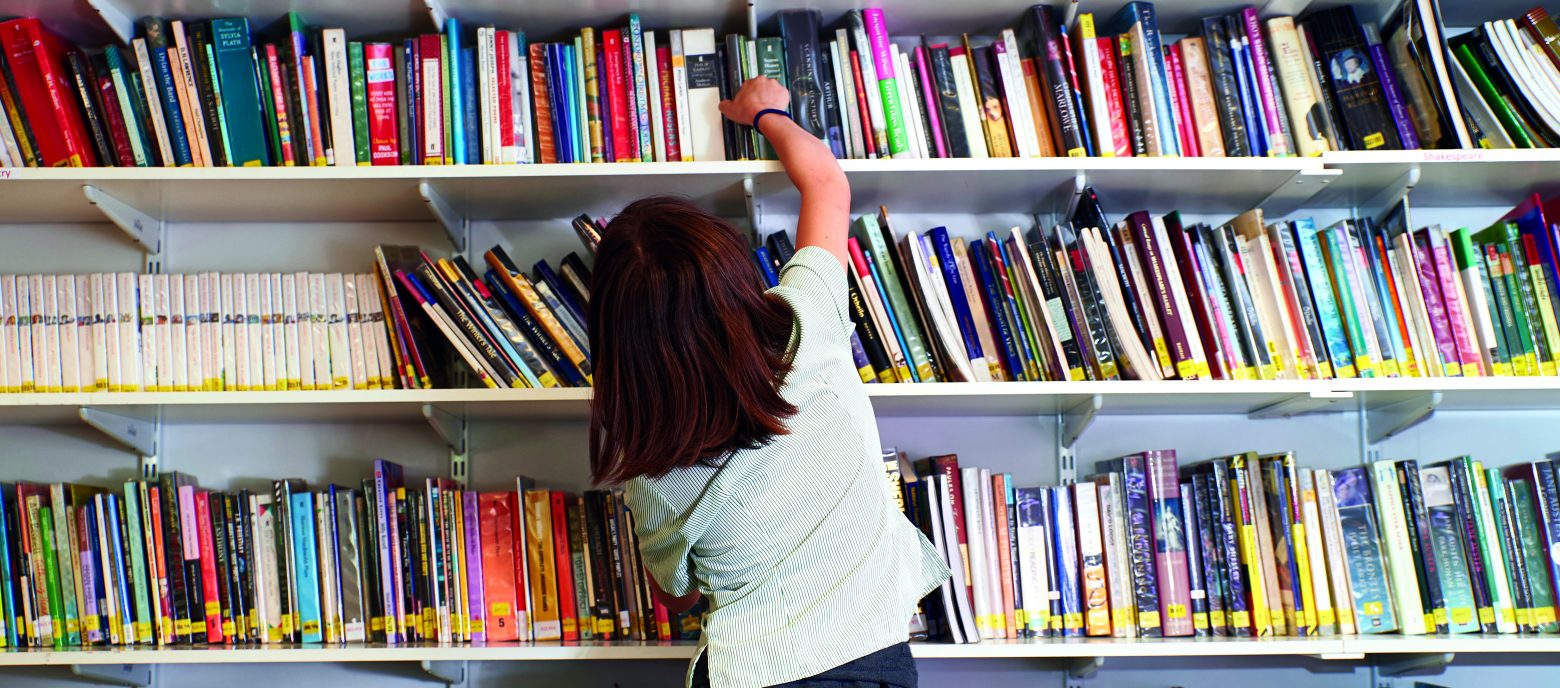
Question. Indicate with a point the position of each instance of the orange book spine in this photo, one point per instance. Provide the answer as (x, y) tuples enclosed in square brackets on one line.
[(1004, 551)]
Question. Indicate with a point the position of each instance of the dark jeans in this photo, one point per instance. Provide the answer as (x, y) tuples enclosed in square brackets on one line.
[(891, 667)]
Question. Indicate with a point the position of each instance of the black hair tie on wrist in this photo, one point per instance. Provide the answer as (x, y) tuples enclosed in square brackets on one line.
[(768, 111)]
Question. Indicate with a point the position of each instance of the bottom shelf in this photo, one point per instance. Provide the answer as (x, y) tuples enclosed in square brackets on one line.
[(1323, 648)]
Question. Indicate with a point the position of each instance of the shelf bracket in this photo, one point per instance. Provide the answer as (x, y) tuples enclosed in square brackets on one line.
[(436, 12), (1299, 404), (1080, 183), (755, 209), (145, 230), (138, 434), (1339, 656), (122, 22), (451, 673), (1084, 667), (453, 430), (1385, 421), (1394, 192), (456, 226), (1415, 663), (1070, 424), (133, 675)]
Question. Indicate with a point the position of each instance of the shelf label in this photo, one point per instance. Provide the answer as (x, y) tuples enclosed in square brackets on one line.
[(1473, 155), (5, 173)]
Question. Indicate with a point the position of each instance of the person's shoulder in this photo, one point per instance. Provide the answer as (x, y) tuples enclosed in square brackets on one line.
[(814, 283)]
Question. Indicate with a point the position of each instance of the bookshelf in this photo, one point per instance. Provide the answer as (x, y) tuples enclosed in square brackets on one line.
[(258, 219)]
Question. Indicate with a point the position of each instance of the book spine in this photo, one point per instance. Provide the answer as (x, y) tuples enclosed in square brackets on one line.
[(1091, 557), (1399, 552), (1394, 97), (1373, 604), (887, 82)]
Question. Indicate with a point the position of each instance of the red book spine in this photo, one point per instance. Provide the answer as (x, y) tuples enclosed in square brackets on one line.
[(1183, 122), (663, 617), (1004, 554), (430, 81), (1112, 79), (1164, 494), (611, 52), (861, 103), (506, 109), (630, 102), (496, 531), (208, 568), (278, 96), (115, 120), (384, 146), (34, 58), (522, 582), (543, 114), (165, 621), (668, 95), (566, 607), (311, 91)]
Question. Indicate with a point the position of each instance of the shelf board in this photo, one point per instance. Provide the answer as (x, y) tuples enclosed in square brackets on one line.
[(1325, 648), (1447, 178)]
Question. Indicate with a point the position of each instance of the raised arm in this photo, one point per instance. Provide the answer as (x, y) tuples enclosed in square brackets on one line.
[(825, 213)]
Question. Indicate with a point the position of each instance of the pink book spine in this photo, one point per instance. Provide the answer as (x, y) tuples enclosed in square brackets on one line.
[(1265, 85), (1468, 351), (1183, 106), (1430, 285), (877, 36), (924, 71), (474, 579), (1175, 588), (1112, 81)]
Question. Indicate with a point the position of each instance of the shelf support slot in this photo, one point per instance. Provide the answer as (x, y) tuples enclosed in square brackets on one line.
[(451, 673), (140, 435), (122, 22), (1084, 667), (145, 230), (1415, 663), (453, 430), (456, 226), (1388, 420), (1299, 404), (133, 675), (755, 208), (1070, 425)]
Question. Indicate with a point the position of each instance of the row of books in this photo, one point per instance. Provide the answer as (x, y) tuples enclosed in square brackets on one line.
[(1154, 298), (164, 561), (214, 93), (397, 327), (1239, 546)]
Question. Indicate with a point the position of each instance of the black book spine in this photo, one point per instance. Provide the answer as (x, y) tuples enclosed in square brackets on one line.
[(286, 561), (1041, 39), (1516, 564), (173, 553), (216, 503), (809, 107), (948, 101), (291, 93), (1227, 253), (1055, 299), (535, 334), (319, 99), (25, 132), (1467, 517), (616, 554), (734, 148), (1355, 85), (602, 602), (211, 107), (834, 132), (368, 544), (411, 569), (239, 525), (1337, 127), (1419, 542), (1211, 551), (1093, 307), (86, 88), (1225, 97), (866, 330), (475, 336), (733, 72), (1131, 107)]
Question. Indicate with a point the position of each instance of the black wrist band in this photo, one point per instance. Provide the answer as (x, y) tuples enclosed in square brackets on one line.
[(768, 111)]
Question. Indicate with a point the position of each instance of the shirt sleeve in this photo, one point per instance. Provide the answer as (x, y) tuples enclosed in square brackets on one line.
[(817, 277), (663, 547)]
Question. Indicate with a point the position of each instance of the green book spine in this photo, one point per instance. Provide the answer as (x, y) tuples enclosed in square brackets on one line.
[(41, 631), (1511, 545), (1510, 328), (359, 82), (241, 92), (64, 551), (447, 52), (222, 118), (1494, 550), (1026, 325), (142, 595), (125, 97), (867, 231), (1534, 554), (45, 549), (1339, 274), (1528, 292), (1525, 335), (1446, 542), (268, 107), (771, 63), (1470, 258), (1481, 82), (1328, 312)]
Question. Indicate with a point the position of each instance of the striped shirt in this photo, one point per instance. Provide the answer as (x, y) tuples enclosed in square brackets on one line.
[(798, 545)]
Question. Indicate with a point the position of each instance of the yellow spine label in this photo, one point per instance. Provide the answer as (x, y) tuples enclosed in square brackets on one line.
[(1240, 619), (1502, 369), (1186, 369), (181, 627), (1324, 369), (1326, 617), (1200, 621), (1461, 615), (1486, 615), (1162, 350), (1148, 619), (198, 627), (1120, 618), (1217, 618)]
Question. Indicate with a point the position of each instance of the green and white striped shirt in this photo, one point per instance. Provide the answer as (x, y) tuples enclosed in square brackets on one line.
[(799, 546)]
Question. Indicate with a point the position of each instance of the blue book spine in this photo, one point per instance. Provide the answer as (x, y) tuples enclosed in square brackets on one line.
[(1250, 106), (1362, 548), (458, 75), (1531, 225), (1140, 544), (1023, 339), (766, 267), (11, 623), (955, 284), (472, 129), (1326, 306), (1143, 13), (1281, 521), (571, 102), (1548, 505), (94, 597), (123, 583), (1065, 545), (240, 93), (532, 331), (641, 89), (306, 565), (1235, 599), (335, 553), (413, 142), (555, 95), (893, 318), (170, 103), (548, 275), (995, 306), (858, 354)]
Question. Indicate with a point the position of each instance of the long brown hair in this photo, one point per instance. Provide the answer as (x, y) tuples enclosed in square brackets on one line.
[(688, 350)]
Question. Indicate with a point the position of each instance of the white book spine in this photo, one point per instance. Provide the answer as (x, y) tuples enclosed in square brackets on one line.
[(680, 85), (10, 347), (376, 347), (930, 487), (869, 84), (254, 303), (178, 337), (520, 100), (974, 526), (485, 102), (211, 330), (1337, 563), (969, 105), (1501, 594), (1098, 103), (134, 332), (319, 337), (497, 153), (99, 288), (305, 311), (354, 315), (276, 353), (46, 342), (1117, 565), (330, 616), (10, 152), (845, 86), (914, 126), (1012, 76), (993, 555), (706, 142), (940, 312), (194, 340), (143, 61), (290, 337), (24, 335), (164, 333), (1316, 549), (70, 335), (1091, 557), (267, 593), (230, 331), (653, 83), (241, 371), (1394, 537), (1031, 568), (338, 93), (340, 348)]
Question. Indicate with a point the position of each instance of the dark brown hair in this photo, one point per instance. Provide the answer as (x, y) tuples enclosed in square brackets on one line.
[(688, 350)]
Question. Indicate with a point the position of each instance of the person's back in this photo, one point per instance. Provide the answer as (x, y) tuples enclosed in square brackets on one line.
[(741, 432)]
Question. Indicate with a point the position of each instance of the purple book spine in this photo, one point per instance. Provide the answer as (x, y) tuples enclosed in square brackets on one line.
[(1389, 86), (1265, 87), (1175, 591), (87, 528), (477, 600), (1430, 285)]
